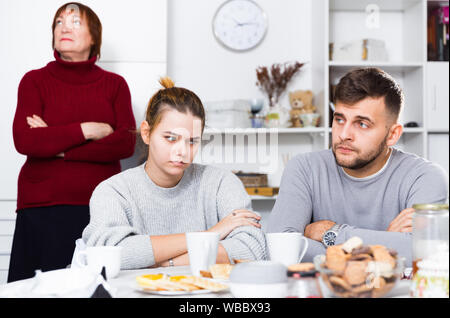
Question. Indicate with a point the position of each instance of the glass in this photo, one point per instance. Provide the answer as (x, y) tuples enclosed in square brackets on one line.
[(430, 232)]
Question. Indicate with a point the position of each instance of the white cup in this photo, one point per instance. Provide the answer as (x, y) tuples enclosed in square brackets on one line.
[(286, 247), (202, 249), (97, 257)]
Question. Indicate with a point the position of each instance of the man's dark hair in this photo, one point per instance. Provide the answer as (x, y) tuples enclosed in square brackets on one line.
[(372, 82)]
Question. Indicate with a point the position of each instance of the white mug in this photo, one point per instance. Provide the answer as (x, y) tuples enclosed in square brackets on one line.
[(97, 257), (202, 249), (286, 247)]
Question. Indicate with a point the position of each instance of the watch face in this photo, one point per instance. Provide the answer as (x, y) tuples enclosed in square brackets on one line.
[(329, 238), (240, 24)]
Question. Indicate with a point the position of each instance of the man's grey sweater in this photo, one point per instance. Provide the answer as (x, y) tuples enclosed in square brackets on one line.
[(315, 188), (129, 207)]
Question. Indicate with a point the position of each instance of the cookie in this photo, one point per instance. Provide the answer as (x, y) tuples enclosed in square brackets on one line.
[(336, 258), (338, 281), (363, 288), (365, 249), (360, 257), (381, 254), (355, 272), (351, 244), (301, 267)]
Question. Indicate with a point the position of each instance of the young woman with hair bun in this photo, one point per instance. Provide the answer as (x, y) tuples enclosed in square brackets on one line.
[(148, 209)]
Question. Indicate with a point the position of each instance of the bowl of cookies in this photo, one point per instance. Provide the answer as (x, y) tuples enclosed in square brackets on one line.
[(356, 270)]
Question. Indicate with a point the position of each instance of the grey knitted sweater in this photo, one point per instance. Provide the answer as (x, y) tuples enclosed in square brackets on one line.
[(128, 208)]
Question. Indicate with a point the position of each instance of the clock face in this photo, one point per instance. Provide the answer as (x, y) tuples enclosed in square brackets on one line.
[(240, 24)]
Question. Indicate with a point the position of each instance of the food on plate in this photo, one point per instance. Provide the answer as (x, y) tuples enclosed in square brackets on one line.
[(353, 269), (163, 282), (237, 261), (204, 283), (206, 274), (218, 271), (221, 271)]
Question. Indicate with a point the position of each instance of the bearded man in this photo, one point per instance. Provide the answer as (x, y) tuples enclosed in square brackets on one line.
[(363, 186)]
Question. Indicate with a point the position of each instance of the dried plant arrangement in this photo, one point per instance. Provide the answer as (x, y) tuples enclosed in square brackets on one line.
[(273, 82)]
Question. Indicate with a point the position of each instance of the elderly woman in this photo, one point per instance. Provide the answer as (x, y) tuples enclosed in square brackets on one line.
[(74, 122)]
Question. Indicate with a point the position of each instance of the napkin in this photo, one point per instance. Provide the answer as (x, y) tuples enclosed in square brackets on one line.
[(61, 283)]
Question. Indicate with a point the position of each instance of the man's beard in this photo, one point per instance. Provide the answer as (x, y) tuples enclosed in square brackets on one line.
[(361, 162)]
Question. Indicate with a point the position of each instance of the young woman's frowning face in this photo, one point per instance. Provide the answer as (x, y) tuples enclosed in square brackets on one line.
[(174, 142)]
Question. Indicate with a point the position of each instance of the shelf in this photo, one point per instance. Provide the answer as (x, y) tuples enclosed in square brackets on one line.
[(438, 131), (262, 197), (415, 130), (240, 131), (389, 66), (361, 5)]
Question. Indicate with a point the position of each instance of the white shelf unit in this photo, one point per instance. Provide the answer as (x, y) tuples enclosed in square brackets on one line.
[(403, 28)]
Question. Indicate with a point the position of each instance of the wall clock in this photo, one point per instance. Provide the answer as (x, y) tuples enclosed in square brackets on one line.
[(240, 25)]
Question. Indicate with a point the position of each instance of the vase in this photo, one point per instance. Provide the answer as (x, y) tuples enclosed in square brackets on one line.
[(277, 117)]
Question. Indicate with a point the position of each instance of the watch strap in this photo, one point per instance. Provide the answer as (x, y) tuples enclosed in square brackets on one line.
[(336, 228)]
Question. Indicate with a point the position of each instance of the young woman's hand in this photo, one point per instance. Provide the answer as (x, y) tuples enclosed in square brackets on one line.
[(96, 131), (235, 219)]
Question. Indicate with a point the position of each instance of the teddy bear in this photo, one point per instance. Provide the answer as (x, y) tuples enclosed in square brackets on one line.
[(301, 103)]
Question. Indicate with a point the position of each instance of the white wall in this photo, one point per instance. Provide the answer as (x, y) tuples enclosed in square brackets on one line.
[(198, 62)]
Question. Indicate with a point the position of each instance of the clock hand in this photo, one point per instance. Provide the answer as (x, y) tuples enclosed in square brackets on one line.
[(248, 23), (237, 22)]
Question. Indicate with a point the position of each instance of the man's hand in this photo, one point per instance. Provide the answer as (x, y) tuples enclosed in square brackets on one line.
[(403, 221), (316, 230)]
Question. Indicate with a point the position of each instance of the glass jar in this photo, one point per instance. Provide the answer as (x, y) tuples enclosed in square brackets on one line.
[(430, 247)]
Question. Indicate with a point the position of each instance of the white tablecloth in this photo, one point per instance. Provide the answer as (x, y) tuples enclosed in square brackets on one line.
[(126, 287)]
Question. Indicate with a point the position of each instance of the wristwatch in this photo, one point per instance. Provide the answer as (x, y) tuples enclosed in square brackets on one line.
[(330, 236)]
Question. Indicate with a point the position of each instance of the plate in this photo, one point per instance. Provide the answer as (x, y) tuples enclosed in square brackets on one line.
[(173, 293), (181, 292)]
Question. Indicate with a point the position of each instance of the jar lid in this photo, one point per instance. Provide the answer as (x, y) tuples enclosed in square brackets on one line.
[(430, 207), (259, 272)]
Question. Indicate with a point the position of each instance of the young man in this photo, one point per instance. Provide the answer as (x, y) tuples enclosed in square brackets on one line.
[(362, 186)]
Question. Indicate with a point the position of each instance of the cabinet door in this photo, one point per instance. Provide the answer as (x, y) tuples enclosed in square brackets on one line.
[(438, 148), (437, 95)]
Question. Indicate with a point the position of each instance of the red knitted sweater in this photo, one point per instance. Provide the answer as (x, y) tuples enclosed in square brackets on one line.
[(66, 94)]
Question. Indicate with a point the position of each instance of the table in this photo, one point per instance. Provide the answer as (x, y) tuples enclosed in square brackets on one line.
[(125, 285)]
